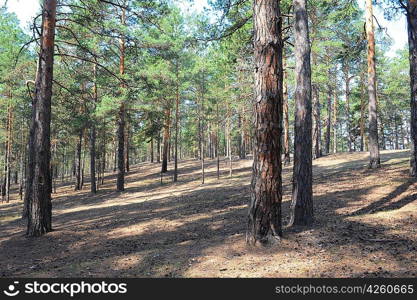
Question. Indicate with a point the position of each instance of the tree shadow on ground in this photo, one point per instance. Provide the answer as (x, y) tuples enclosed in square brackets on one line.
[(166, 235)]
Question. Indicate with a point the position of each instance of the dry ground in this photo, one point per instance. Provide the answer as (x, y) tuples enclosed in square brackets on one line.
[(365, 226)]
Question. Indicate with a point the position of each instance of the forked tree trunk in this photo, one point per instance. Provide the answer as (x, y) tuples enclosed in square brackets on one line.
[(38, 188), (412, 44), (264, 221), (374, 159), (302, 194)]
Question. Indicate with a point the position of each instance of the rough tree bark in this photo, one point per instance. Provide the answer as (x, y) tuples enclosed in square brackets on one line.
[(38, 188), (121, 117), (287, 158), (412, 44), (264, 221), (374, 160), (302, 195)]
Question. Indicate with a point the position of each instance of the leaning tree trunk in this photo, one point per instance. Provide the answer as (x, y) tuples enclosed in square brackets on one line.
[(412, 44), (374, 161), (38, 189), (264, 221), (302, 194)]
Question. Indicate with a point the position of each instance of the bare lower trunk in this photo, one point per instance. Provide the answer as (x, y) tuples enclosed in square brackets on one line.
[(78, 163), (316, 130), (152, 154), (374, 160), (287, 158), (329, 122), (93, 159), (412, 44), (166, 141), (264, 220), (335, 120), (177, 115), (302, 195), (121, 150), (158, 148), (121, 116), (217, 141), (363, 107), (38, 189)]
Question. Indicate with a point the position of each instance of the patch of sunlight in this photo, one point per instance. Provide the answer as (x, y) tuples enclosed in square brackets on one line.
[(9, 218), (126, 262)]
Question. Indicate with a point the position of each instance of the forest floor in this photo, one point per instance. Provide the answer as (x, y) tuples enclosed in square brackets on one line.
[(365, 226)]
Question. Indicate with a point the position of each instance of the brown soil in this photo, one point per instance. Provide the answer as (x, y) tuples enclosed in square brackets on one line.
[(365, 226)]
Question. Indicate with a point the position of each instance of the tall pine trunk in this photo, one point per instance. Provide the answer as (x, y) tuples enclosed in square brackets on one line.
[(302, 194), (166, 141), (329, 121), (121, 118), (347, 100), (177, 115), (78, 163), (264, 220), (412, 44), (287, 158), (374, 159), (335, 120), (316, 123), (38, 188)]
